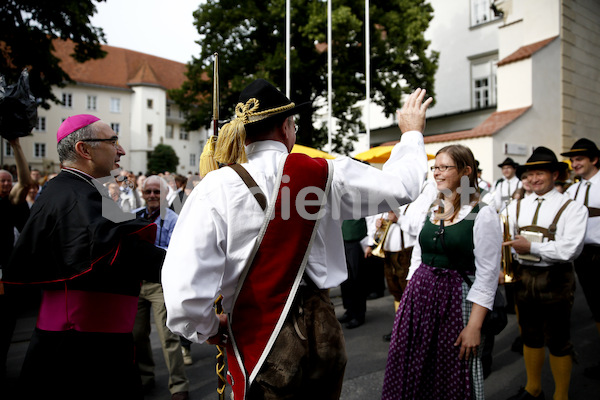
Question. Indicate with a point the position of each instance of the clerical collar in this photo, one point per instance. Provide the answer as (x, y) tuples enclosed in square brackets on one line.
[(78, 171)]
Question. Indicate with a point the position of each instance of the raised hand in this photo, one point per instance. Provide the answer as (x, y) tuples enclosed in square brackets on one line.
[(411, 117)]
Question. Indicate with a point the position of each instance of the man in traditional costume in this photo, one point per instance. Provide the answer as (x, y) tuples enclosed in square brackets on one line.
[(585, 162), (90, 269), (505, 188), (274, 250), (549, 229)]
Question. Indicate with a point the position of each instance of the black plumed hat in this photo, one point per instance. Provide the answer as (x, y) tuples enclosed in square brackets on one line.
[(261, 101)]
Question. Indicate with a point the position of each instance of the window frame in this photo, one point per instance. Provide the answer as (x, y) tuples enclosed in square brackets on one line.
[(92, 102), (41, 120), (67, 99), (478, 64), (38, 149), (487, 15), (8, 150), (115, 105)]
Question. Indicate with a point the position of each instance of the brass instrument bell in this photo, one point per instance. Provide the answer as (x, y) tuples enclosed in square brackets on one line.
[(507, 257), (379, 238)]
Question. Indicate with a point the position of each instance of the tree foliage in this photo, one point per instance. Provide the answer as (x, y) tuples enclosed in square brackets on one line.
[(162, 159), (27, 29), (250, 39)]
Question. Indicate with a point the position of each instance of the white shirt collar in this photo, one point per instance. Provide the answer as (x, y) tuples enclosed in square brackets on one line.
[(265, 145), (545, 196)]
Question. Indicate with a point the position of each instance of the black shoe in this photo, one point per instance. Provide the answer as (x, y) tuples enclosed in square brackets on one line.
[(374, 295), (525, 395), (517, 345), (354, 323), (344, 318), (387, 337), (592, 372)]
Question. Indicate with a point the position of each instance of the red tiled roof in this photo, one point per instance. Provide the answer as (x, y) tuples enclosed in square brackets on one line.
[(121, 68), (494, 123), (525, 52)]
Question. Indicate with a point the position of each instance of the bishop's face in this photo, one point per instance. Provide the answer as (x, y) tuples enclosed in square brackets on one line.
[(106, 155)]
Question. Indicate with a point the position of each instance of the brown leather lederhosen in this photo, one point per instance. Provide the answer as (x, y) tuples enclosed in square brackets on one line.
[(544, 297)]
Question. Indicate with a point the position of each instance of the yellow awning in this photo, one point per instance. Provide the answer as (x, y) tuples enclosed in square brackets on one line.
[(379, 154), (309, 151)]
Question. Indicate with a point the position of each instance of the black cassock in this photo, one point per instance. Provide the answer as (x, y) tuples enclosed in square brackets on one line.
[(90, 269)]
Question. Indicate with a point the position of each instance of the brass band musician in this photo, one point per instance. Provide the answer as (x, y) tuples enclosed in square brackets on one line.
[(505, 187), (584, 157), (548, 237)]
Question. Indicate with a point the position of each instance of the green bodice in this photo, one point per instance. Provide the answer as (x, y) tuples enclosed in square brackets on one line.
[(459, 244)]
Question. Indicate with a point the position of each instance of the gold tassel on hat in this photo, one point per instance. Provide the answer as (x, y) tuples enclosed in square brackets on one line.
[(207, 159), (231, 144)]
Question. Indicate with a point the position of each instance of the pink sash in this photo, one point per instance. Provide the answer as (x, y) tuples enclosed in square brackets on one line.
[(83, 311)]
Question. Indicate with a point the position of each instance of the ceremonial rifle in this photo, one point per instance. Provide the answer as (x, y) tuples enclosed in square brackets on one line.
[(207, 159), (207, 164)]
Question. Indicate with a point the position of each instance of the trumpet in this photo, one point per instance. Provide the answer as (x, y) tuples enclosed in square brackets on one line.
[(379, 238), (507, 258)]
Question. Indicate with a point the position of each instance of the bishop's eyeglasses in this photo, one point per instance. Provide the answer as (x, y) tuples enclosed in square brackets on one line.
[(114, 140)]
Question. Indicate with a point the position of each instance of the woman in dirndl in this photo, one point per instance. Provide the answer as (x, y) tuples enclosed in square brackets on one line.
[(436, 342)]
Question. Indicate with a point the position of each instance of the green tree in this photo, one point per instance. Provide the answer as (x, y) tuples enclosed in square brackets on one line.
[(162, 158), (27, 29), (250, 39)]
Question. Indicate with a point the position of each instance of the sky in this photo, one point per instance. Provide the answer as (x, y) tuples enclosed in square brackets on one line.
[(157, 27)]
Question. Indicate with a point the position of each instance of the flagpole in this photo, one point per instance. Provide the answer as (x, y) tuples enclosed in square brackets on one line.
[(368, 72), (329, 84), (287, 48)]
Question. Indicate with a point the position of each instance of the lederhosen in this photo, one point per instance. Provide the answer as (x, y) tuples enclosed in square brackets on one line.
[(285, 340), (396, 265), (544, 297), (587, 265)]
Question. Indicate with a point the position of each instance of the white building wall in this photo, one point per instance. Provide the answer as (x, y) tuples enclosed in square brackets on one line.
[(58, 113), (540, 125), (132, 119), (451, 33), (144, 115), (481, 148), (527, 22), (515, 85)]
